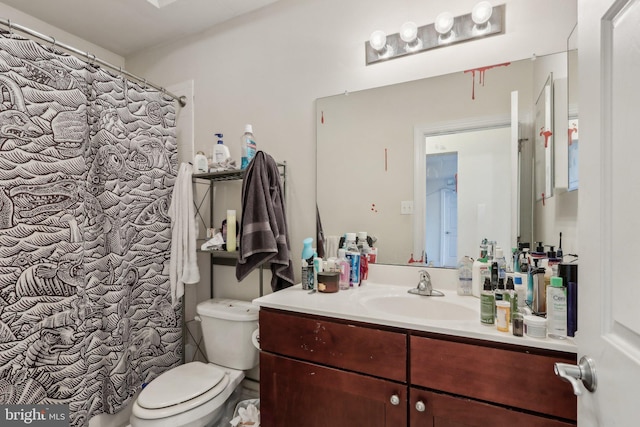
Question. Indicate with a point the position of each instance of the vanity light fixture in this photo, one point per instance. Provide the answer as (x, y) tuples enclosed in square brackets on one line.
[(409, 35), (444, 27), (484, 20), (378, 42), (480, 14)]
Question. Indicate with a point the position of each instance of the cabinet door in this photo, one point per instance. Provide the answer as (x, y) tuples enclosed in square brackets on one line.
[(294, 393), (428, 409)]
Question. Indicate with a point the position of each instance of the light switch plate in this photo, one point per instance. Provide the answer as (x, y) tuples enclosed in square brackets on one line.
[(406, 207)]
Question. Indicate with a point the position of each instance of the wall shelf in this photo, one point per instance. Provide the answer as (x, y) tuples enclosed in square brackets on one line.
[(220, 257)]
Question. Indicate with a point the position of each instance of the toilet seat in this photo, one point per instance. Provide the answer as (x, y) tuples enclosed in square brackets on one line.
[(180, 389)]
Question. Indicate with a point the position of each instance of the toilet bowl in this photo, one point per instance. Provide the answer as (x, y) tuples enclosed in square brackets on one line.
[(194, 394)]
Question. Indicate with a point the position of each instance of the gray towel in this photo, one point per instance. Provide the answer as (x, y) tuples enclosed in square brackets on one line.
[(263, 232)]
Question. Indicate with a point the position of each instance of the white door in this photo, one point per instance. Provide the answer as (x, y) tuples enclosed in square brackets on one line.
[(609, 201), (449, 227)]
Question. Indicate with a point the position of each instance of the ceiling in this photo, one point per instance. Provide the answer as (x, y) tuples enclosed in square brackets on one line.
[(128, 26)]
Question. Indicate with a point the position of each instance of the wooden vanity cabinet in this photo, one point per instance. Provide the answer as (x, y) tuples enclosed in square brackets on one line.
[(316, 372), (501, 374), (322, 372)]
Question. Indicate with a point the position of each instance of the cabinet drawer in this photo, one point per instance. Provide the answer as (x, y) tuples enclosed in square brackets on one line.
[(443, 410), (340, 344), (505, 376)]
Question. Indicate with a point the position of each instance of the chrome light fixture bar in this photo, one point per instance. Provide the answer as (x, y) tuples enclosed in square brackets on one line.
[(484, 21)]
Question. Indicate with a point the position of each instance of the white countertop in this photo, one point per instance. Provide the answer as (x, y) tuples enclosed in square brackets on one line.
[(353, 304)]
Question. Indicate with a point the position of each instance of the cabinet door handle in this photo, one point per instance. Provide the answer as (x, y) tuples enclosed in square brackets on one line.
[(395, 400), (420, 406)]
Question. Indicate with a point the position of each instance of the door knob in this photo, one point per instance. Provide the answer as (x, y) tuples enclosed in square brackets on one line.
[(395, 400), (585, 371), (420, 406)]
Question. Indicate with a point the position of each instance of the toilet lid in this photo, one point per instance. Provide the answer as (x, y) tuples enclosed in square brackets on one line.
[(180, 384)]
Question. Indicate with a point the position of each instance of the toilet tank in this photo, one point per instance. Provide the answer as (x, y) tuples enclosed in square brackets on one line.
[(227, 326)]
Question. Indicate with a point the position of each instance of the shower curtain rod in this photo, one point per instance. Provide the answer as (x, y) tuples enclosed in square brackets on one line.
[(182, 100)]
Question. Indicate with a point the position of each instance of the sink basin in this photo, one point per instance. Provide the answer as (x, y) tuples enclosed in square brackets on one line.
[(434, 308)]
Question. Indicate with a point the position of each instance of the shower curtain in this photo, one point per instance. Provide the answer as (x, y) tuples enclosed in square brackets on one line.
[(87, 165)]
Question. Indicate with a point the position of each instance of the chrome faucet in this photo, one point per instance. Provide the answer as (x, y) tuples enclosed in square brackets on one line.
[(425, 287)]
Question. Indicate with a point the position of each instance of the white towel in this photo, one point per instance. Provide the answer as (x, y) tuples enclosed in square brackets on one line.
[(183, 266)]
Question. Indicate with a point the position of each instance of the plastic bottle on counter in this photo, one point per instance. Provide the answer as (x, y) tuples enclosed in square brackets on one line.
[(345, 270), (249, 147), (307, 264), (502, 264), (557, 309), (365, 250), (480, 270), (487, 304), (465, 276), (353, 255)]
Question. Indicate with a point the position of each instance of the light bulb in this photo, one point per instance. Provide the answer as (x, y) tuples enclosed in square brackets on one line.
[(378, 40), (444, 22), (481, 12), (408, 32)]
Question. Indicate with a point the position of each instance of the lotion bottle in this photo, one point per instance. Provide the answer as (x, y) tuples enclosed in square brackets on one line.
[(557, 309), (220, 151)]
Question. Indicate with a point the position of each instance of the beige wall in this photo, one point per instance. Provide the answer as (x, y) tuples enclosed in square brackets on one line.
[(268, 67)]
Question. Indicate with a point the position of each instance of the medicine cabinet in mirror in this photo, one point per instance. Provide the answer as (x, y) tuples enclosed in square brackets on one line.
[(367, 162)]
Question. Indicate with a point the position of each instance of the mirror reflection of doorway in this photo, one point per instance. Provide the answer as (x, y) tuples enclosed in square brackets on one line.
[(441, 229)]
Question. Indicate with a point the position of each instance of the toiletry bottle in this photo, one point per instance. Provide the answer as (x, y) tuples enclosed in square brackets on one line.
[(521, 290), (499, 292), (231, 231), (487, 304), (200, 163), (557, 309), (317, 267), (363, 246), (220, 151), (569, 274), (511, 296), (517, 324), (249, 147), (465, 273), (480, 270), (502, 263), (353, 255), (307, 264), (345, 270), (494, 275)]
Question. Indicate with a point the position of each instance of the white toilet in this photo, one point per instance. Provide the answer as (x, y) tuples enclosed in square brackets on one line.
[(194, 394)]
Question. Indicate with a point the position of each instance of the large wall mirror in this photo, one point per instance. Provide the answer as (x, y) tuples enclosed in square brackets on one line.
[(366, 162)]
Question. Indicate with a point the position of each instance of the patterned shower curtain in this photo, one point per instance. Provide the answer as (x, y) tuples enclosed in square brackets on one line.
[(87, 165)]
